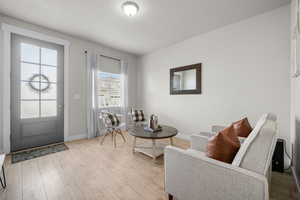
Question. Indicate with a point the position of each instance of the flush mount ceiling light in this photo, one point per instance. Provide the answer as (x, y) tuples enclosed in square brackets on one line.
[(130, 8)]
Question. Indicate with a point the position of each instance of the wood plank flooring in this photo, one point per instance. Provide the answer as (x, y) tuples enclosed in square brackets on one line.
[(89, 171)]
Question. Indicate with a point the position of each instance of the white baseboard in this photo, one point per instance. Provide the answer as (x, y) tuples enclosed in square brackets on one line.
[(296, 180), (76, 137)]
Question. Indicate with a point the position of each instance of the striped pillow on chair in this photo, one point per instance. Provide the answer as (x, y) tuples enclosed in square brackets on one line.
[(111, 119)]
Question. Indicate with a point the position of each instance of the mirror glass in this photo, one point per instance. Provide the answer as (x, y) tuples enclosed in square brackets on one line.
[(184, 80)]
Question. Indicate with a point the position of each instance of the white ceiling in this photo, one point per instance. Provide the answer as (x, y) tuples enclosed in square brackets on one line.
[(158, 24)]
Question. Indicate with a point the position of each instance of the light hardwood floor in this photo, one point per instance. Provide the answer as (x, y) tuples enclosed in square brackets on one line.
[(89, 171)]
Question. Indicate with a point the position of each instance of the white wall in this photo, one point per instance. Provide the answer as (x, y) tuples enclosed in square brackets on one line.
[(295, 100), (245, 72), (77, 80), (1, 100)]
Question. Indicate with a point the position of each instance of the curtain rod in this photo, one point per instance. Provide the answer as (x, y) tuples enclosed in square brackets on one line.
[(106, 56), (111, 58)]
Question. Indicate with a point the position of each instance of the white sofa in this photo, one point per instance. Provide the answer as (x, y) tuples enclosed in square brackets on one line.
[(190, 175)]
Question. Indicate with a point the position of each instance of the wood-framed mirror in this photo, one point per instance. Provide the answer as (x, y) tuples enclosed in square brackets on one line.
[(186, 79)]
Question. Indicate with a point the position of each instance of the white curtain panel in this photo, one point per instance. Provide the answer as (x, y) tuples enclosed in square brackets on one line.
[(124, 92), (102, 65), (92, 102)]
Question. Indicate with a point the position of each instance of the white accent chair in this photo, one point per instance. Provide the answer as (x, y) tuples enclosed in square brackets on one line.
[(114, 130), (191, 175), (2, 181)]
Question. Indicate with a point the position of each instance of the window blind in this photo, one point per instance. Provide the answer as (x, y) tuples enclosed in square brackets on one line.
[(110, 65)]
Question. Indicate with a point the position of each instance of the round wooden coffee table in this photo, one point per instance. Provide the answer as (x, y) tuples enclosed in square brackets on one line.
[(153, 149)]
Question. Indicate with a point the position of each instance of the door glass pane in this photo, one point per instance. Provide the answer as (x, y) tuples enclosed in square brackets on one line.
[(50, 73), (48, 109), (27, 92), (29, 109), (38, 85), (28, 70), (30, 53), (49, 57), (49, 91)]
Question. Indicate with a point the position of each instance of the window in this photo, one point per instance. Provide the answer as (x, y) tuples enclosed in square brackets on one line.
[(109, 89), (109, 83)]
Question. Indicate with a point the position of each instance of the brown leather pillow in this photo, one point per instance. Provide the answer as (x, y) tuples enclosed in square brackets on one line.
[(222, 148), (231, 134), (242, 127)]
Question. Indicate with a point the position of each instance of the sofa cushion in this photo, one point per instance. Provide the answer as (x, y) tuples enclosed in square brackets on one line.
[(230, 133), (242, 127), (260, 152), (221, 147), (195, 152), (242, 151), (256, 152)]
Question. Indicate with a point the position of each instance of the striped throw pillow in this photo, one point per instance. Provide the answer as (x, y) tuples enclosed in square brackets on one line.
[(111, 119), (138, 115)]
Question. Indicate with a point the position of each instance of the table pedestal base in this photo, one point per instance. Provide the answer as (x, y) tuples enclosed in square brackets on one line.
[(151, 149)]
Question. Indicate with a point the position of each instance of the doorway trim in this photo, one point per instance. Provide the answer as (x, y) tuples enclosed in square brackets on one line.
[(6, 104)]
